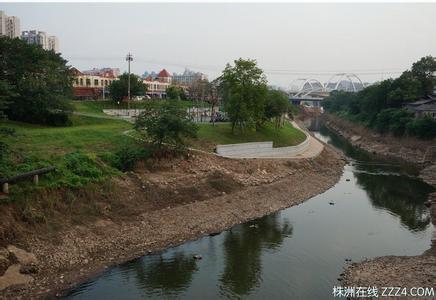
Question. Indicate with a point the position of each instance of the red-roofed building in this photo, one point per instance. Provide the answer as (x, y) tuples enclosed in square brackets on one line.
[(91, 86), (157, 87), (164, 76)]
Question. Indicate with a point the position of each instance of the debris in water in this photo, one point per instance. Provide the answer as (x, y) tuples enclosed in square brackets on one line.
[(331, 203), (254, 226), (197, 256), (347, 179)]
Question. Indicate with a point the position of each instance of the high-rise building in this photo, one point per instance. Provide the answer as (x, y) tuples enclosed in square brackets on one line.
[(2, 23), (41, 38), (53, 43), (9, 26)]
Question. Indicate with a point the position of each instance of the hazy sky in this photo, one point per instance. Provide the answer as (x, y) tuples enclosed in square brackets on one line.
[(286, 39)]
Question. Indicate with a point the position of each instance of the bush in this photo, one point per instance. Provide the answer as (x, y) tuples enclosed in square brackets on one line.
[(424, 128), (125, 158), (78, 169), (57, 119), (8, 131)]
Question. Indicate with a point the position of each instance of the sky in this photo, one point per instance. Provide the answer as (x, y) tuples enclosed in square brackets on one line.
[(289, 40)]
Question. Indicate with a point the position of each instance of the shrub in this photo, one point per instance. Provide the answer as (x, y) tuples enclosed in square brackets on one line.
[(78, 169), (127, 156), (57, 119), (8, 131), (424, 128)]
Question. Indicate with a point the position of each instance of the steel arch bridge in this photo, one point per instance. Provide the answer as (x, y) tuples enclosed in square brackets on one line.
[(312, 87)]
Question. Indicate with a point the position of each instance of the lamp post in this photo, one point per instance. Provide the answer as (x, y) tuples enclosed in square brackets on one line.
[(129, 58)]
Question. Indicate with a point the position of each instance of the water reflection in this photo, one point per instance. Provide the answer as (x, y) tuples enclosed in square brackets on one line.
[(162, 276), (389, 186), (243, 247), (401, 196)]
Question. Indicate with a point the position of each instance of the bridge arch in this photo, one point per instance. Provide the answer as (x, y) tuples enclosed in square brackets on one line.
[(342, 77)]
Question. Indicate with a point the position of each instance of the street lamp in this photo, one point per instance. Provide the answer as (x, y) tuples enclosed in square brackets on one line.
[(129, 58)]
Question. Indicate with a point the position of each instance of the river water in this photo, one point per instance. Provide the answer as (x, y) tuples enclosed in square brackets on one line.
[(375, 209)]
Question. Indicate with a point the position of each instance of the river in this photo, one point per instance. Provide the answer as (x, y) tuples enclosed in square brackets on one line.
[(375, 209)]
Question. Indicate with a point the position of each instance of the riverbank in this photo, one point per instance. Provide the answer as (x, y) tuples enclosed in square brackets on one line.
[(177, 201), (392, 271), (409, 149), (397, 271)]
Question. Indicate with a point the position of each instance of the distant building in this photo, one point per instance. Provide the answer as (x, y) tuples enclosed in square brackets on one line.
[(91, 86), (105, 72), (188, 78), (157, 86), (9, 26), (423, 107), (42, 39), (53, 43)]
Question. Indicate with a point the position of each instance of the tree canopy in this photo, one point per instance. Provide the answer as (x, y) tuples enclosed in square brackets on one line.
[(119, 88), (34, 83), (381, 105), (175, 92), (165, 123), (244, 90), (277, 105)]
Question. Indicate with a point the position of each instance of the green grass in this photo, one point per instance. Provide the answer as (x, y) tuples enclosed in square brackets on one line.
[(209, 135), (82, 145), (87, 133)]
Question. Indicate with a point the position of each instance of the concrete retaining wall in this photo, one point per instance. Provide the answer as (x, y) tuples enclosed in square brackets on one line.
[(260, 149)]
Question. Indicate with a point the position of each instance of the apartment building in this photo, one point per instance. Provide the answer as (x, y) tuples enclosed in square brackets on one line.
[(47, 42), (9, 26)]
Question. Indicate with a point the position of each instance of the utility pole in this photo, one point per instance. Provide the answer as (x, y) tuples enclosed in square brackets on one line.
[(129, 58)]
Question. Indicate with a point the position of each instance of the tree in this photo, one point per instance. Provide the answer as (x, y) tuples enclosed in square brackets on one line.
[(119, 88), (165, 123), (5, 94), (244, 90), (35, 83), (423, 70), (175, 92), (277, 106)]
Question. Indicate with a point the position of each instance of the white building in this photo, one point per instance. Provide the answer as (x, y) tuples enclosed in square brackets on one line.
[(9, 26), (188, 77), (41, 38), (53, 43)]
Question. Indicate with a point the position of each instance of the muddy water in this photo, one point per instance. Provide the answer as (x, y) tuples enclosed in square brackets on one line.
[(375, 209)]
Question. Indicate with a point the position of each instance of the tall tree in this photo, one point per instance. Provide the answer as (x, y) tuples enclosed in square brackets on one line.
[(277, 106), (165, 123), (423, 70), (119, 88), (35, 82), (244, 89)]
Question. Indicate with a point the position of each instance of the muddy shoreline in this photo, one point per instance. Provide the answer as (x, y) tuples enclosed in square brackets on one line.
[(393, 271), (81, 252)]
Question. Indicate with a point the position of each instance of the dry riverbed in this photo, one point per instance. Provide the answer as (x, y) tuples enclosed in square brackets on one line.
[(151, 209)]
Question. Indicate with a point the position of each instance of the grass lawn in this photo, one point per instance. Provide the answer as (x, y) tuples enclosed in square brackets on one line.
[(209, 135), (81, 153), (88, 134)]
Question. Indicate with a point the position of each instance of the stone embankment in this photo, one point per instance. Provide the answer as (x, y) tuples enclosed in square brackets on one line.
[(151, 209), (309, 148)]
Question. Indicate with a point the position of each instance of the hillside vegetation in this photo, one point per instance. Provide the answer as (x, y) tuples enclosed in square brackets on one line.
[(381, 106)]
